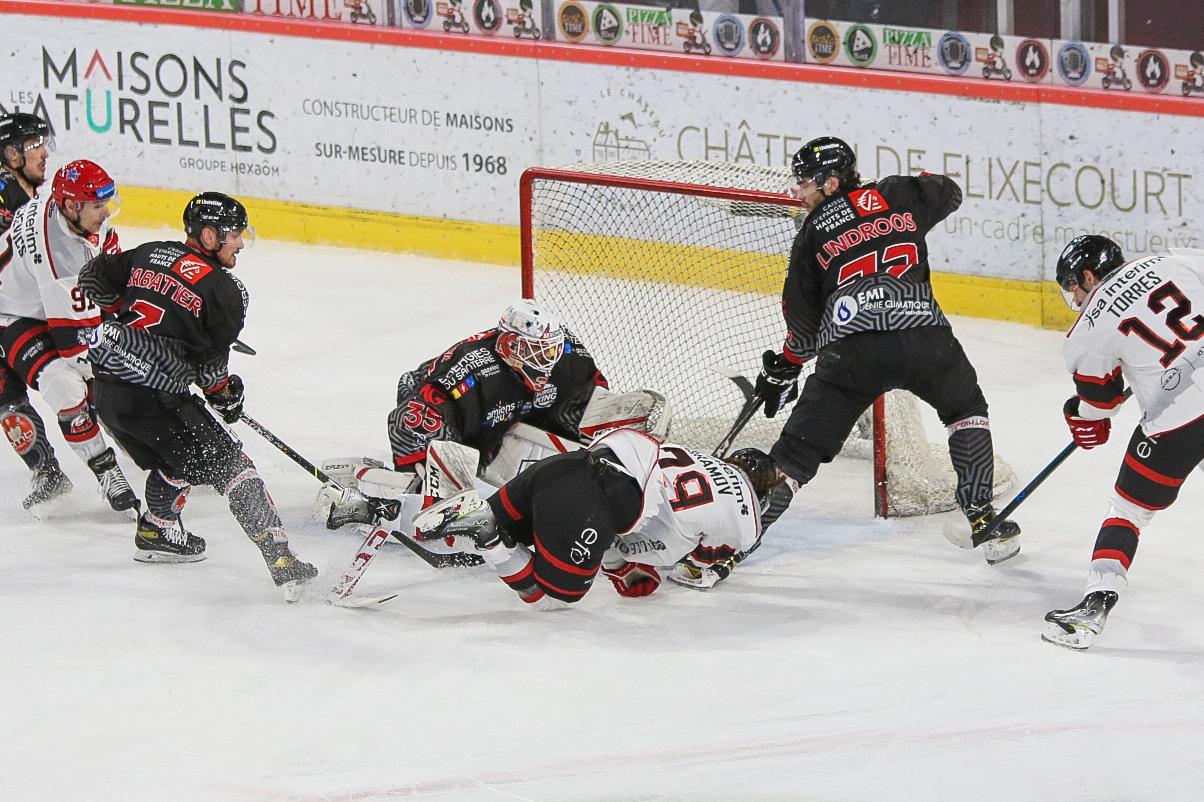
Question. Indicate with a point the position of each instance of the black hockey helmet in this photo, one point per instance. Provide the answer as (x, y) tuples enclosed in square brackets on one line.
[(1197, 59), (824, 157), (17, 128), (696, 18), (1091, 252), (215, 210), (997, 42), (1117, 53), (759, 467)]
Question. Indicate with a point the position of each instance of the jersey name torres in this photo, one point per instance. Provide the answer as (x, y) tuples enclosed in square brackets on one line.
[(44, 258), (690, 499), (1144, 325), (860, 263)]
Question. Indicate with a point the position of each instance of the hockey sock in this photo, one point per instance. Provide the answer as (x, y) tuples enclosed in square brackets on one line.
[(1116, 545), (251, 505), (973, 458), (165, 497), (26, 432), (81, 431)]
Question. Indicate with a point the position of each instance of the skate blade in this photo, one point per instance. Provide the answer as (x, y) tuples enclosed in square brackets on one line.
[(997, 551), (1077, 639), (293, 590), (166, 557)]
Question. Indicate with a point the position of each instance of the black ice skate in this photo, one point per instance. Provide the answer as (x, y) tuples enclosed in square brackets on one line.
[(1077, 627), (166, 544), (48, 482), (113, 486), (287, 571), (1002, 544), (465, 515)]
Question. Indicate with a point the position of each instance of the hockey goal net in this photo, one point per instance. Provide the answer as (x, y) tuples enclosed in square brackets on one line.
[(671, 274)]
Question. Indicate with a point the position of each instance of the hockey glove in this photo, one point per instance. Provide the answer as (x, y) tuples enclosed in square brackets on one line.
[(778, 383), (228, 401), (633, 579), (1086, 433)]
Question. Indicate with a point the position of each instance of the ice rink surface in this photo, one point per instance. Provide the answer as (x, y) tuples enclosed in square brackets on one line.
[(849, 659)]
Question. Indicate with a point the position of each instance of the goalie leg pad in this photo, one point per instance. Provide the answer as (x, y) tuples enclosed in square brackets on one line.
[(450, 468), (523, 446)]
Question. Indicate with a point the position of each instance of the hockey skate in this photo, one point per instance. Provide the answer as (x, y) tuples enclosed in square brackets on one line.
[(1003, 543), (113, 486), (289, 573), (166, 544), (464, 516), (48, 482), (1077, 627)]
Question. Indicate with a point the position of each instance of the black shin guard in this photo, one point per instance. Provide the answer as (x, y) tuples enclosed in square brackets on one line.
[(973, 458), (165, 497), (250, 504)]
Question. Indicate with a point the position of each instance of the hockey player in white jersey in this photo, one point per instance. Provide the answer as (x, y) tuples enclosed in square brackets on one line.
[(629, 506), (45, 317), (1141, 324)]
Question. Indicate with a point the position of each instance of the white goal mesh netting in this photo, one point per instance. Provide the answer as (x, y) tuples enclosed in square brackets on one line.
[(667, 286)]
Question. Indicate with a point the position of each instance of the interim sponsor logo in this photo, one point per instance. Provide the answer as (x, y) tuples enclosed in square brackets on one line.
[(1074, 63), (764, 38), (860, 45), (823, 42), (953, 53), (1153, 71), (1032, 59)]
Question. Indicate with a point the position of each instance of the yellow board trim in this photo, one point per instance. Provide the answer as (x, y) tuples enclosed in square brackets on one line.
[(1036, 303)]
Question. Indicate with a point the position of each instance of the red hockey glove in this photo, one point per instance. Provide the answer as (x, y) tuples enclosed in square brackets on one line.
[(633, 579), (1086, 433)]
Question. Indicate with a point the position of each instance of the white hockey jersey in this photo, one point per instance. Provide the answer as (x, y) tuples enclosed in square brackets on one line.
[(690, 499), (1144, 323), (40, 262)]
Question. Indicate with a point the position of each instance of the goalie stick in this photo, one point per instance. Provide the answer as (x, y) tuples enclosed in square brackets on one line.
[(385, 508)]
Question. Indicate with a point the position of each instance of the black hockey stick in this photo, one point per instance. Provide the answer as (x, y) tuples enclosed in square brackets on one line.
[(1027, 490), (459, 559), (242, 348), (752, 403), (386, 508)]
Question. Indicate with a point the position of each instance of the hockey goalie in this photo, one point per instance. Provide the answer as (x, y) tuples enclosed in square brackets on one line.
[(481, 412)]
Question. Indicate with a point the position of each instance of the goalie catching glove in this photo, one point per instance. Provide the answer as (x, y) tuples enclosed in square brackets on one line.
[(777, 385)]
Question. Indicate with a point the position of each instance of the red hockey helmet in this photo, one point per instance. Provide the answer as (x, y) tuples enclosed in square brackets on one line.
[(85, 182)]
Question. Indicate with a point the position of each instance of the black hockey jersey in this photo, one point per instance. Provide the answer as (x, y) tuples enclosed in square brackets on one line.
[(12, 197), (468, 395), (860, 262), (176, 311)]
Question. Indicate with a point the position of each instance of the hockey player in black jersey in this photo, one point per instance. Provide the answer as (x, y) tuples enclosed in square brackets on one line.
[(176, 310), (25, 146), (858, 299)]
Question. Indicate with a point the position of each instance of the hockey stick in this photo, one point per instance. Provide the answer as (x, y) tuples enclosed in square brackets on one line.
[(1026, 491), (751, 404), (242, 348), (385, 508)]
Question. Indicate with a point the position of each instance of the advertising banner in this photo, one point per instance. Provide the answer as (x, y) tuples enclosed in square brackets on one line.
[(1125, 68), (518, 18), (228, 6), (678, 30), (355, 12), (442, 134)]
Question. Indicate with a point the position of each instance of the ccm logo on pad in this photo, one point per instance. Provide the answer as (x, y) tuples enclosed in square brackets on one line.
[(867, 202)]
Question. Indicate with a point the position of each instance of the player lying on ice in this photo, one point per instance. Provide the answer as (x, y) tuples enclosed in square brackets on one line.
[(483, 410), (627, 506), (1141, 323)]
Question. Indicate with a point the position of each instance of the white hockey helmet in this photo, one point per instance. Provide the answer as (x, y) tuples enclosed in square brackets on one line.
[(531, 341)]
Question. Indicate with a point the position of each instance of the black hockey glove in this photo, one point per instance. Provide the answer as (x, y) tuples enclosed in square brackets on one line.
[(778, 383), (228, 401)]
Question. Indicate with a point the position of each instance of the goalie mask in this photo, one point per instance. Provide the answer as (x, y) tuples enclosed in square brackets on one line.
[(531, 341)]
